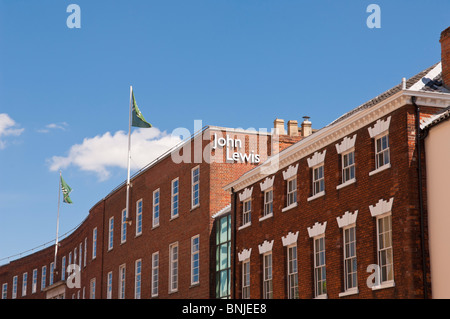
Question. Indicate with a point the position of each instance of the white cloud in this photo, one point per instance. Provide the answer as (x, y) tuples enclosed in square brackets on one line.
[(60, 126), (101, 153), (8, 127)]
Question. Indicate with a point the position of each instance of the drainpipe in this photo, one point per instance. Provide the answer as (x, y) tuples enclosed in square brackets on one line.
[(419, 174)]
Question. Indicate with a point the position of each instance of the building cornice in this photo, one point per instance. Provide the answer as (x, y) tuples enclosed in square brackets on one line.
[(333, 133)]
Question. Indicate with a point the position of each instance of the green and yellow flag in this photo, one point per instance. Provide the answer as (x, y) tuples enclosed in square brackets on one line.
[(66, 191), (138, 119)]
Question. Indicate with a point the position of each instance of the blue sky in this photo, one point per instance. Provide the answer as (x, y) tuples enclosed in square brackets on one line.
[(64, 92)]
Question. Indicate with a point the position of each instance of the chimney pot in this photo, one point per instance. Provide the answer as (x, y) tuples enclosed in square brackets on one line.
[(292, 128), (278, 126), (306, 126)]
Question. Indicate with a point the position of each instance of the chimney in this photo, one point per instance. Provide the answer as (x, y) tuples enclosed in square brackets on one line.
[(306, 126), (278, 125), (445, 56), (292, 127)]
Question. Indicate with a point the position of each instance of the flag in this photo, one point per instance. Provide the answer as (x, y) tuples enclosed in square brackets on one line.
[(66, 191), (138, 119)]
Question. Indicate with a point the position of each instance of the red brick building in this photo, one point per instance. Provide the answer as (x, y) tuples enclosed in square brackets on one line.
[(163, 250), (339, 212), (342, 214)]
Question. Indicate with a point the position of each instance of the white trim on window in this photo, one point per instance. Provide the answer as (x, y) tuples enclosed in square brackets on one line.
[(122, 281), (156, 207), (123, 227), (173, 267), (111, 233), (195, 260), (139, 210), (137, 279), (174, 198), (195, 187), (155, 274)]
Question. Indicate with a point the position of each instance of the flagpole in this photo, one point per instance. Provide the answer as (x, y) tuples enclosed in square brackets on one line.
[(129, 156), (57, 221)]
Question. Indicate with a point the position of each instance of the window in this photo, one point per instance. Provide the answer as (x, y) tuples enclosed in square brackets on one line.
[(268, 202), (246, 279), (155, 273), (52, 270), (137, 279), (43, 277), (292, 272), (92, 288), (75, 255), (122, 274), (320, 282), (174, 209), (94, 243), (111, 233), (63, 268), (123, 227), (14, 291), (291, 191), (348, 166), (70, 258), (350, 266), (85, 252), (34, 283), (223, 257), (139, 217), (246, 212), (24, 283), (4, 291), (195, 260), (195, 194), (318, 180), (81, 254), (385, 257), (267, 276), (155, 208), (382, 151), (109, 285), (173, 279)]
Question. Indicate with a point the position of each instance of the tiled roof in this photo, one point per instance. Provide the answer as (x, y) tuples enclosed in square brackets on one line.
[(434, 85)]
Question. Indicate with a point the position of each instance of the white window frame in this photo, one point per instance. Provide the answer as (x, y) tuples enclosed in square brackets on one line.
[(24, 283), (195, 260), (268, 202), (195, 183), (389, 249), (173, 267), (5, 291), (347, 244), (92, 287), (155, 274), (137, 279), (320, 291), (109, 278), (174, 198), (43, 277), (34, 281), (85, 252), (268, 275), (382, 151), (52, 271), (246, 279), (123, 226), (80, 260), (156, 207), (122, 281), (111, 233), (14, 289), (139, 210), (247, 212), (291, 191), (349, 169), (94, 243), (317, 180), (292, 272)]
